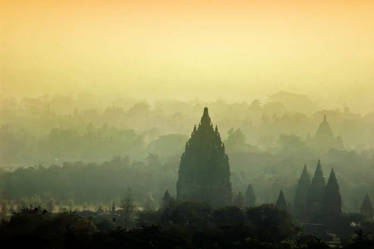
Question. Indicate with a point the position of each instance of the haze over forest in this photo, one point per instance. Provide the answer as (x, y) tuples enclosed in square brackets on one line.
[(268, 142), (196, 114)]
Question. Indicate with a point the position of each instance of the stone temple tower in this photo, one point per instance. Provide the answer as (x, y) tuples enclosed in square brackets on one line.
[(324, 139), (204, 172)]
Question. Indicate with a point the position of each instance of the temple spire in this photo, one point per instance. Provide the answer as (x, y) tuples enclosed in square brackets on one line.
[(305, 175), (250, 196), (315, 193), (205, 119), (367, 208), (281, 202), (302, 189), (332, 200), (318, 173)]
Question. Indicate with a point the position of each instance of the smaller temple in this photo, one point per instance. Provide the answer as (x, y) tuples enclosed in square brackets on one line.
[(316, 193), (316, 201), (302, 193), (281, 202), (332, 200), (250, 196), (367, 208), (324, 138)]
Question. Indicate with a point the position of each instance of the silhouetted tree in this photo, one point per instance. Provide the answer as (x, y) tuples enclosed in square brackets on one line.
[(228, 216), (192, 214), (50, 205), (149, 203), (127, 211), (113, 209), (166, 200), (268, 223)]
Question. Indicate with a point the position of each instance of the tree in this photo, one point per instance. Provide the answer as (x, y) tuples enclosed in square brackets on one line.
[(166, 200), (113, 209), (149, 203), (50, 205), (367, 208), (301, 194), (168, 145), (127, 211), (236, 141), (332, 201), (250, 196), (191, 214), (228, 216), (270, 224), (204, 172)]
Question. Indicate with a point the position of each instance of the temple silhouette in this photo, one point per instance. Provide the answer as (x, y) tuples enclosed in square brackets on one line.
[(204, 171), (324, 138)]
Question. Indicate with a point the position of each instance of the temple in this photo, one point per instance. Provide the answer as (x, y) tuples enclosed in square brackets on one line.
[(204, 172), (324, 139)]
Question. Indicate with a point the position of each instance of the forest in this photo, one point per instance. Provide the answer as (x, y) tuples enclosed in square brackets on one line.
[(88, 151)]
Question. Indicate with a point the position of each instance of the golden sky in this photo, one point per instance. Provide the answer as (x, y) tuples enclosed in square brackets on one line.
[(235, 50)]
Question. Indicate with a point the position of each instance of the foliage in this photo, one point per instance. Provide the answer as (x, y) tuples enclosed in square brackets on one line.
[(88, 182)]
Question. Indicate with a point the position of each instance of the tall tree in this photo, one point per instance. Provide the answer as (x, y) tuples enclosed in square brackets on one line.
[(204, 172), (301, 194), (281, 202), (127, 211), (250, 196), (332, 201), (166, 200), (315, 193), (149, 203), (367, 208)]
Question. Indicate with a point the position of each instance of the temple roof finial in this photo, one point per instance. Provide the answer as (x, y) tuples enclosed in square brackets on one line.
[(205, 119), (206, 111)]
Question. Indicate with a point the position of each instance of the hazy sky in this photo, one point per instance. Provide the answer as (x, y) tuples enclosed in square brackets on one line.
[(233, 49)]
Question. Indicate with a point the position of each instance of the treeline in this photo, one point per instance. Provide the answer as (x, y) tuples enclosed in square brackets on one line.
[(32, 128), (90, 144), (90, 183), (96, 183), (181, 225)]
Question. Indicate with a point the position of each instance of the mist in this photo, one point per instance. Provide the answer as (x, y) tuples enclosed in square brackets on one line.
[(187, 124), (267, 141)]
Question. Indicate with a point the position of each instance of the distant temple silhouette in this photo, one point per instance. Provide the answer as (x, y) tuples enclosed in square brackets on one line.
[(301, 195), (324, 139), (204, 172), (367, 209), (315, 200)]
